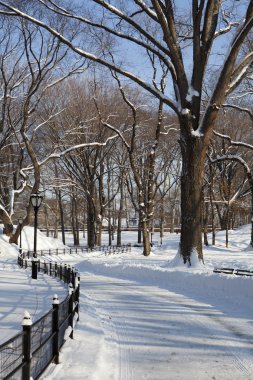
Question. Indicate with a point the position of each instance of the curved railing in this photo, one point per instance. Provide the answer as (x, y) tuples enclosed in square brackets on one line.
[(106, 249), (28, 353), (237, 272)]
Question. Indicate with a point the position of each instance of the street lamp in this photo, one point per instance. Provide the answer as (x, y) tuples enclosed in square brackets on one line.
[(161, 232), (152, 232), (20, 221), (36, 200)]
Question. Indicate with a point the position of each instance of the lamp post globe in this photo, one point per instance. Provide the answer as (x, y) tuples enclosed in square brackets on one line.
[(36, 200)]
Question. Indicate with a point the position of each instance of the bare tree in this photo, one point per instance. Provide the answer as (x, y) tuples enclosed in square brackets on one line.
[(159, 28), (242, 161), (30, 67)]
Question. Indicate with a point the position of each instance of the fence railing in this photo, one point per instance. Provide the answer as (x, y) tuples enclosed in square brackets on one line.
[(28, 353), (237, 272), (106, 249)]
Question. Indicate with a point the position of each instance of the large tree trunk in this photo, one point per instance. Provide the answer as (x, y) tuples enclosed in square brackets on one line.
[(99, 232), (162, 222), (56, 221), (46, 220), (77, 224), (193, 157), (120, 213), (8, 225), (91, 224), (212, 205), (146, 240), (139, 229), (205, 220), (251, 189), (61, 216), (73, 220), (251, 234)]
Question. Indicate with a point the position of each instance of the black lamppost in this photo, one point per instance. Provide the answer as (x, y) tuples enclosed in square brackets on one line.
[(20, 221), (152, 232), (36, 200), (161, 232)]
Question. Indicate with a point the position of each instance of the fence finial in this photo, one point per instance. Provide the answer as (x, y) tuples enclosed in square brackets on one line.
[(27, 320), (71, 289), (55, 299)]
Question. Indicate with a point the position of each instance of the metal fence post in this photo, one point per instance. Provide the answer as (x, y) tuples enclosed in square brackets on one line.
[(73, 277), (65, 273), (77, 295), (56, 329), (71, 302), (27, 323), (60, 274)]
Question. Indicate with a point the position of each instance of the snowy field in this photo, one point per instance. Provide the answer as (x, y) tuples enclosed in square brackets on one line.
[(144, 318)]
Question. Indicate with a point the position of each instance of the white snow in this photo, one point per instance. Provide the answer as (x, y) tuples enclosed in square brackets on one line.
[(191, 93), (18, 292), (27, 320), (197, 133), (151, 317), (185, 111)]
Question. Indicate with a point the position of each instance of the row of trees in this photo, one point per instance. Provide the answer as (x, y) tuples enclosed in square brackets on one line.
[(97, 130)]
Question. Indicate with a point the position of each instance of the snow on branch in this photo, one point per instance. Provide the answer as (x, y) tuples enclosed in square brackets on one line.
[(46, 121), (116, 131), (226, 29), (75, 70), (242, 109), (240, 72), (232, 157), (146, 9), (156, 49), (169, 128), (243, 29), (2, 208), (68, 150), (93, 57), (235, 143)]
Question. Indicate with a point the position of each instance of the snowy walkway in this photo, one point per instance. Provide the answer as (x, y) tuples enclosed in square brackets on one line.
[(19, 292), (130, 330), (160, 334), (141, 318)]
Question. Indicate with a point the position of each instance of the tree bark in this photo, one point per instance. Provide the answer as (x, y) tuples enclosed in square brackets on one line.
[(205, 222), (91, 224), (46, 219), (61, 216), (8, 225), (120, 212), (193, 157), (139, 237), (251, 234), (146, 240)]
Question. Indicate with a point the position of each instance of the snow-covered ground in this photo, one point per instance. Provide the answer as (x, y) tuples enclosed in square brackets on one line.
[(18, 291), (149, 318)]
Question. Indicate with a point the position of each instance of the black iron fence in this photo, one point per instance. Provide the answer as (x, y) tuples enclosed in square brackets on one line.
[(28, 353), (106, 249), (237, 272)]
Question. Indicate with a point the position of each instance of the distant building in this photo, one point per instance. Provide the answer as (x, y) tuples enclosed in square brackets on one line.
[(133, 222)]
